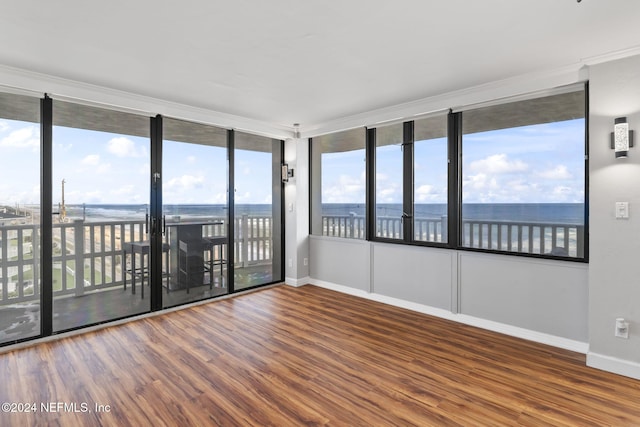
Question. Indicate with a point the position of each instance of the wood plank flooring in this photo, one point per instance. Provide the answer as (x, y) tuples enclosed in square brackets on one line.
[(307, 356)]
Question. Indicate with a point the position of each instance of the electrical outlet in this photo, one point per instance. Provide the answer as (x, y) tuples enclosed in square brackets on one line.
[(622, 328), (290, 263), (305, 261)]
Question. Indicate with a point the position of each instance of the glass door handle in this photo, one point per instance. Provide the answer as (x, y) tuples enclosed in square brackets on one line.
[(164, 225), (146, 223)]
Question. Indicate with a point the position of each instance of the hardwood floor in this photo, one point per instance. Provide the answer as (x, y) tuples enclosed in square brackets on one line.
[(307, 356)]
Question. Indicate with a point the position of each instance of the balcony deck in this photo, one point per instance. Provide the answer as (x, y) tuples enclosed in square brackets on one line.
[(22, 320)]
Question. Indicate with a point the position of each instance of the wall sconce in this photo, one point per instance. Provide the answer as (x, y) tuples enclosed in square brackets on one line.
[(286, 173), (621, 137)]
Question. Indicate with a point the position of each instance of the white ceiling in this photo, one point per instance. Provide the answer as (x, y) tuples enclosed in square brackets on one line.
[(306, 61)]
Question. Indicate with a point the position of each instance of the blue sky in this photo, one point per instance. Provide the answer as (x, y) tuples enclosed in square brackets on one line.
[(531, 164), (100, 167)]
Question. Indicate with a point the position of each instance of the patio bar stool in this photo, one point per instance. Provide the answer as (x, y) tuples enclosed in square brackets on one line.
[(142, 249), (216, 257), (192, 263)]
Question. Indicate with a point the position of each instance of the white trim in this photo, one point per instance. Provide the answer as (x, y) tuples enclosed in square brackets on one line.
[(296, 283), (514, 331), (613, 364), (611, 56), (12, 79)]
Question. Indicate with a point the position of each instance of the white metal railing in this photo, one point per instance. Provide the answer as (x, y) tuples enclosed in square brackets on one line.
[(561, 239), (88, 256)]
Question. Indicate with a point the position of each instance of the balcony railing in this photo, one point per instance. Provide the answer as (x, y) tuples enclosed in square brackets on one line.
[(88, 256), (561, 239)]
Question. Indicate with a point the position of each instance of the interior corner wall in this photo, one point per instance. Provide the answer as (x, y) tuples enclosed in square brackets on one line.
[(296, 196), (614, 270)]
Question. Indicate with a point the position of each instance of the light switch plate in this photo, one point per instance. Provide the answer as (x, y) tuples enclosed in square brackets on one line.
[(622, 210)]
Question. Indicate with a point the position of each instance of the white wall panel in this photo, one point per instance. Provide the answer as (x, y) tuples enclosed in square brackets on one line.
[(416, 274), (544, 296), (344, 262)]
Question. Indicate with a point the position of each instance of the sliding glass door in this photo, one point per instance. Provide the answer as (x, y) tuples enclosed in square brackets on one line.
[(101, 188), (20, 268), (195, 212), (257, 210), (106, 214)]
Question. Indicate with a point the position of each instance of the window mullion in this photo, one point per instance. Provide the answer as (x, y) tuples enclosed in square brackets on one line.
[(407, 182)]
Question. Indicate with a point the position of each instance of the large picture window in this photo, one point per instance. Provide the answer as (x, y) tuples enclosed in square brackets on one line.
[(338, 184), (507, 177), (523, 176)]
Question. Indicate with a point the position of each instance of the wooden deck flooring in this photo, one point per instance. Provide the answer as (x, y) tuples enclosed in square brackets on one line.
[(307, 356)]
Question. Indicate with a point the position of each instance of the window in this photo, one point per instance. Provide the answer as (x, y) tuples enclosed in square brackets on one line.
[(411, 181), (523, 176), (338, 184), (20, 237), (389, 182), (258, 198), (430, 175), (100, 175)]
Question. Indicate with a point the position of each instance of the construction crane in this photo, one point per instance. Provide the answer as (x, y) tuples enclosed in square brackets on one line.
[(62, 209)]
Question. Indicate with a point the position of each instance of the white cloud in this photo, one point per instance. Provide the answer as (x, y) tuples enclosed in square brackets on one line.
[(389, 194), (124, 147), (380, 177), (347, 189), (184, 183), (191, 159), (498, 164), (91, 160), (243, 198), (28, 137), (562, 193), (480, 181), (93, 197), (4, 126), (125, 190), (104, 168), (427, 193), (557, 173)]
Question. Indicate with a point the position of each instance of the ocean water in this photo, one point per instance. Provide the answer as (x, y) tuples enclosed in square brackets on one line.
[(566, 213), (95, 212)]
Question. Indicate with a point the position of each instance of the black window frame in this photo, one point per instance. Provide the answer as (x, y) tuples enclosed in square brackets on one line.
[(454, 202)]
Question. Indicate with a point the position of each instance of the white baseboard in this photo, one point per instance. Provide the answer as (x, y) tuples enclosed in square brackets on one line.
[(296, 283), (615, 365), (514, 331)]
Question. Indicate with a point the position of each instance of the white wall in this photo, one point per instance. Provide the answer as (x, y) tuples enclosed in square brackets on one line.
[(614, 269), (410, 273), (546, 296)]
